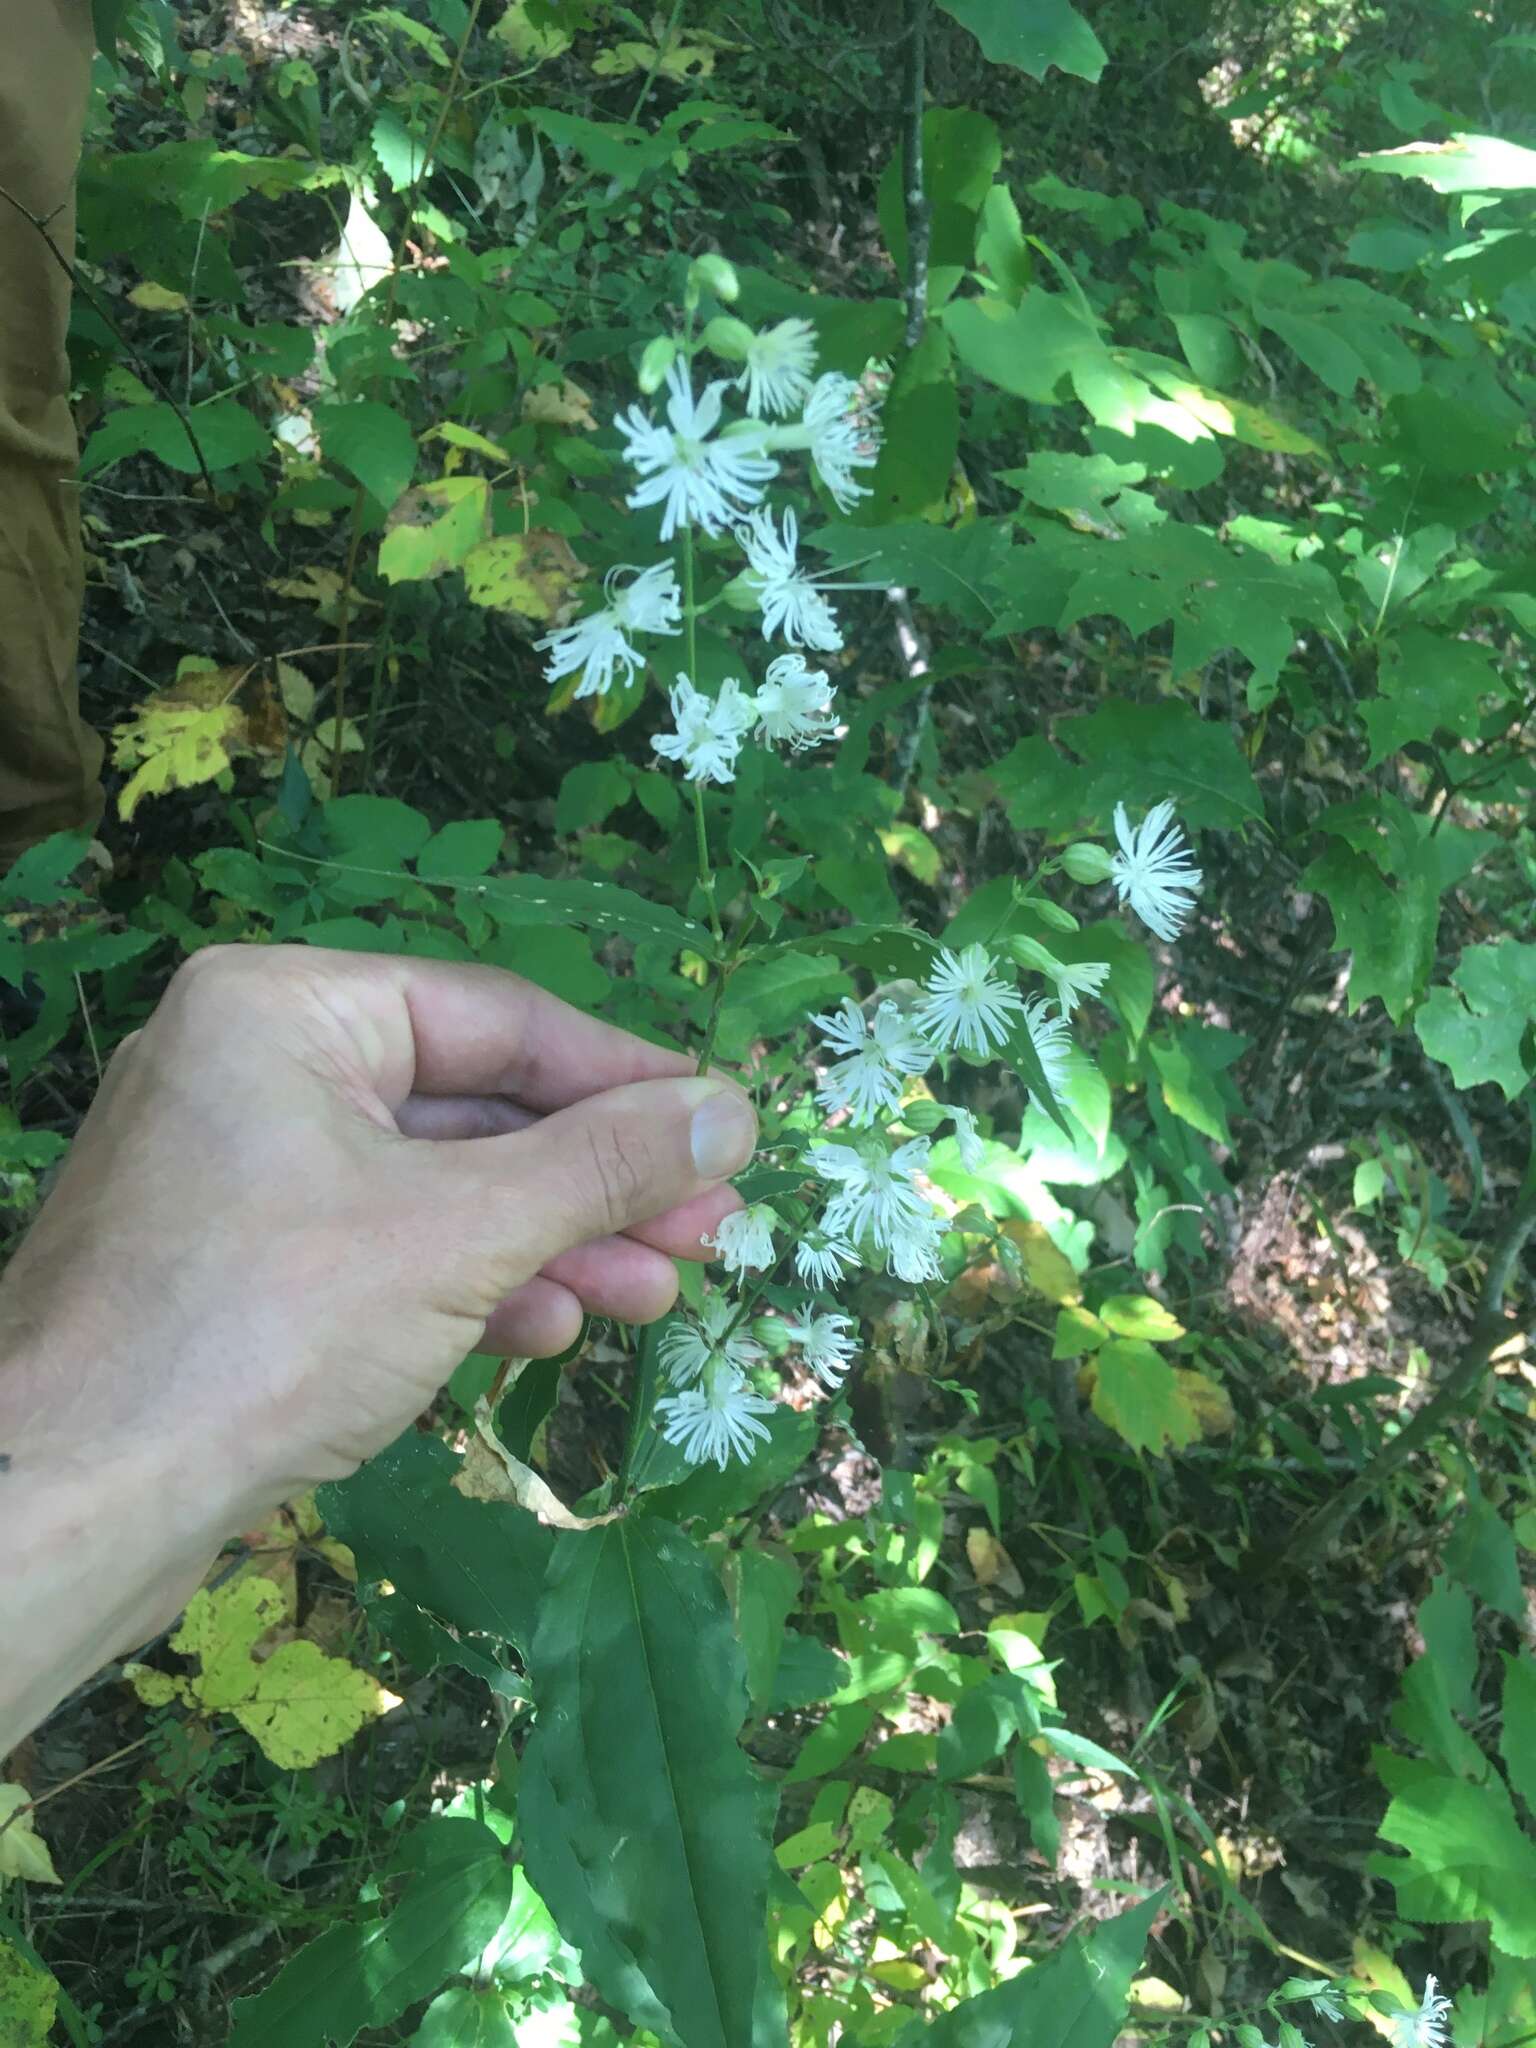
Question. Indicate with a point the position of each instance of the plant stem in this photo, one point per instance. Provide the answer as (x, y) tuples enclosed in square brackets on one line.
[(701, 834)]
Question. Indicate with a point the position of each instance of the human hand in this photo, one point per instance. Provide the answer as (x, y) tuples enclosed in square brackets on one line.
[(315, 1180)]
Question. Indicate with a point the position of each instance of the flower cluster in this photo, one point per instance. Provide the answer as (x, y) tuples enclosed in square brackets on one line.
[(864, 1199)]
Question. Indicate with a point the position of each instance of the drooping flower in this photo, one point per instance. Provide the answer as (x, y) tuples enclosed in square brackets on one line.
[(1072, 979), (821, 1258), (1328, 2005), (697, 476), (710, 730), (826, 1345), (794, 704), (840, 439), (1154, 871), (689, 1348), (875, 1191), (719, 1420), (969, 1004), (743, 1241), (877, 1054), (913, 1251), (1426, 2027), (598, 644), (967, 1137), (780, 363), (790, 601), (1052, 1041)]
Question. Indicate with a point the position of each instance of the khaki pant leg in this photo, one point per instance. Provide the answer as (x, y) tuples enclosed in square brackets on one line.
[(49, 761)]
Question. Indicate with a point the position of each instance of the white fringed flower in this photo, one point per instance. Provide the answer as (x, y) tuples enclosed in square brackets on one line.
[(1052, 1041), (790, 601), (598, 644), (913, 1252), (877, 1055), (968, 1003), (690, 1348), (1426, 2027), (1154, 871), (840, 439), (780, 363), (696, 479), (743, 1241), (710, 730), (794, 704), (826, 1345), (875, 1197), (718, 1421), (821, 1258)]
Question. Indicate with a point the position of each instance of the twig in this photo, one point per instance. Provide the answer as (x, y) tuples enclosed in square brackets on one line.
[(1489, 1329), (916, 199)]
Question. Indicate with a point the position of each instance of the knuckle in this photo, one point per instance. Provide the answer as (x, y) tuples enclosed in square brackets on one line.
[(620, 1175)]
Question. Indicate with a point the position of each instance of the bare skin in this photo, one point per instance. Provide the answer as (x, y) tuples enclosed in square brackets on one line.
[(307, 1188)]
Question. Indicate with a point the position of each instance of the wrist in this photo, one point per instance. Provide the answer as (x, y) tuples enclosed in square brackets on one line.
[(105, 1537)]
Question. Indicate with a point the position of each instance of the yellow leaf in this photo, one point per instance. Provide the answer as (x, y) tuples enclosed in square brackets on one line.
[(490, 1472), (29, 1998), (531, 45), (433, 527), (154, 1688), (1049, 1271), (991, 1563), (157, 298), (1211, 1403), (298, 1703), (23, 1852), (305, 1705), (560, 405), (1139, 1315), (177, 746), (532, 573), (1138, 1394), (900, 1976)]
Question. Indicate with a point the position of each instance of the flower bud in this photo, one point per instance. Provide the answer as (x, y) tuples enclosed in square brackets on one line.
[(728, 337), (656, 362), (719, 276), (923, 1115), (1086, 862)]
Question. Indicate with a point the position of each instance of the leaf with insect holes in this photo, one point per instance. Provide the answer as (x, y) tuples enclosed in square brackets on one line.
[(297, 1703)]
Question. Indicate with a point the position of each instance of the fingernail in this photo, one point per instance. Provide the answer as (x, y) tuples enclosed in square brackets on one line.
[(723, 1133)]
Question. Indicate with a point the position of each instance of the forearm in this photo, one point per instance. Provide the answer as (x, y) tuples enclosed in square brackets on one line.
[(102, 1543)]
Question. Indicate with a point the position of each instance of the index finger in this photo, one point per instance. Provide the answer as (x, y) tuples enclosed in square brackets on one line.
[(480, 1030)]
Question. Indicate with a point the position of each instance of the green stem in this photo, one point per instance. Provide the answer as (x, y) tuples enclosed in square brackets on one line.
[(701, 834)]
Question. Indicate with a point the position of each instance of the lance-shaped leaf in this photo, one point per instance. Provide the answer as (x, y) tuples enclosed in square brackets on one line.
[(646, 1830)]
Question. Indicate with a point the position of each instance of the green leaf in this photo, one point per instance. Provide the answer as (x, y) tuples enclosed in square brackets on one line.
[(957, 567), (107, 20), (831, 1742), (368, 1974), (1481, 1555), (1035, 1790), (1467, 1859), (372, 442), (1190, 1087), (1032, 35), (469, 846), (1074, 1999), (1478, 1026), (598, 906), (1390, 932), (224, 432), (1429, 683), (1139, 1315), (470, 2016), (1141, 1398), (713, 1496), (1467, 163), (768, 995), (766, 1592), (476, 1564), (374, 831), (651, 1850), (1517, 1735), (921, 431), (591, 792)]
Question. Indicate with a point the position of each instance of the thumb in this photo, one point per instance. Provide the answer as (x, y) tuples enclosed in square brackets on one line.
[(605, 1163)]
